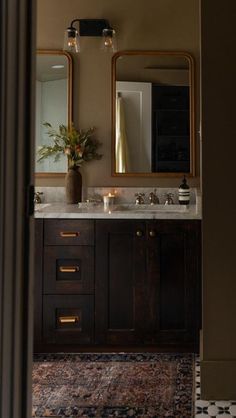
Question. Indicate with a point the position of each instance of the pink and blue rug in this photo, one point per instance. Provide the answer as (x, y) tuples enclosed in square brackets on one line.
[(113, 385)]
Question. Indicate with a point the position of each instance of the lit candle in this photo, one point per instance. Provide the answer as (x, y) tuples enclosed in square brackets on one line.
[(108, 200)]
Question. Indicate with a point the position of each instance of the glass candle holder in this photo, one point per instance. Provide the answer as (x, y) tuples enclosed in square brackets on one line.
[(108, 200)]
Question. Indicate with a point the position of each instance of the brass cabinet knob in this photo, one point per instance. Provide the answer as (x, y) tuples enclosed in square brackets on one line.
[(139, 233), (152, 233)]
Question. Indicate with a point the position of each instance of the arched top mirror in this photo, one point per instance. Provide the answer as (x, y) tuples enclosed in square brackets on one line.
[(153, 131), (53, 104)]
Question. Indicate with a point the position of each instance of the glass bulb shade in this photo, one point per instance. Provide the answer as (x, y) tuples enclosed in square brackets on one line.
[(71, 40), (109, 42)]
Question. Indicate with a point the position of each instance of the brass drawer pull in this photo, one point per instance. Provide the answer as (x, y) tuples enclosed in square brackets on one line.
[(139, 233), (68, 319), (152, 233), (69, 234), (69, 269)]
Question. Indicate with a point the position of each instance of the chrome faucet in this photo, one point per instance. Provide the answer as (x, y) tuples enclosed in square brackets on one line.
[(37, 198), (139, 198), (153, 198), (169, 199)]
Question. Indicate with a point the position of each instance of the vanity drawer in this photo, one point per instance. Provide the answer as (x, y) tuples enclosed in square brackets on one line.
[(68, 270), (68, 232), (68, 319)]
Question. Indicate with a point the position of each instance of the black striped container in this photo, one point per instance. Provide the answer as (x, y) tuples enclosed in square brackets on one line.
[(184, 193)]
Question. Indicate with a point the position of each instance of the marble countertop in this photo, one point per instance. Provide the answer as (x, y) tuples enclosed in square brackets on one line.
[(78, 211)]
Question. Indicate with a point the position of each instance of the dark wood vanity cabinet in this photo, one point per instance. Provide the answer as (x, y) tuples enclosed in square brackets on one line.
[(117, 282), (147, 283)]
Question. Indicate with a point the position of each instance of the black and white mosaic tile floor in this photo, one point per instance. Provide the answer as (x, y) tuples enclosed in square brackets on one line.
[(212, 409)]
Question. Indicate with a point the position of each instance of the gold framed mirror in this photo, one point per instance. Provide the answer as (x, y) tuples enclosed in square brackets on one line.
[(153, 115), (53, 104)]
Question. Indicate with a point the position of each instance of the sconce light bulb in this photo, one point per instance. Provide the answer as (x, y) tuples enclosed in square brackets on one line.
[(71, 40), (109, 40)]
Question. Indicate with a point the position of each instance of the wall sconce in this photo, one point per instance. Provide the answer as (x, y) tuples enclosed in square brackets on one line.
[(90, 27)]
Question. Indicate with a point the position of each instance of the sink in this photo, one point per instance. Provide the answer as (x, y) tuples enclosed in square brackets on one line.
[(150, 208)]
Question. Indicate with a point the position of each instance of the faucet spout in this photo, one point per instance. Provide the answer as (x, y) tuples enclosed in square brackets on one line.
[(153, 198), (169, 199)]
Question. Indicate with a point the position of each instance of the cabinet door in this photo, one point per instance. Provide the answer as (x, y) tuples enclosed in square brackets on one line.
[(121, 283), (176, 260), (147, 282)]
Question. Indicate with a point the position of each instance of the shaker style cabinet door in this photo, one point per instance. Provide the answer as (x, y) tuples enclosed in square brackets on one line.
[(176, 244), (147, 282), (122, 287)]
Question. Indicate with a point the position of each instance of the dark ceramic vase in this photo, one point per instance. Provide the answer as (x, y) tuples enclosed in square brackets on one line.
[(73, 184)]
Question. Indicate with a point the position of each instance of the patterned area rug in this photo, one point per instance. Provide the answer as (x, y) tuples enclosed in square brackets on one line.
[(113, 385)]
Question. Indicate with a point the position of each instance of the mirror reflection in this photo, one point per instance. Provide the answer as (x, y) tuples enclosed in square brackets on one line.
[(152, 113), (53, 103)]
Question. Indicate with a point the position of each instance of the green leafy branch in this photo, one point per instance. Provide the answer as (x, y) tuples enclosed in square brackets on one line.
[(78, 145)]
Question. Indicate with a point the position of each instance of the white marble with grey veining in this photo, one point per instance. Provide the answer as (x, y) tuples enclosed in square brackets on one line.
[(54, 206), (63, 211)]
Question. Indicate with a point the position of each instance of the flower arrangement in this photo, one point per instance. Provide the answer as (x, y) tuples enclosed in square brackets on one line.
[(78, 145)]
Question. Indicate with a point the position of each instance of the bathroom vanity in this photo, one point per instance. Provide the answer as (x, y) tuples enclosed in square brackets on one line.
[(116, 278), (129, 276)]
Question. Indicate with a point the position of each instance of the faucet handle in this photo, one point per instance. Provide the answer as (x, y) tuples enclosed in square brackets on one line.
[(139, 198), (37, 198), (153, 198)]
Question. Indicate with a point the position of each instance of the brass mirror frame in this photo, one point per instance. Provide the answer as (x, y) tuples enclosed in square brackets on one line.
[(70, 98), (189, 58)]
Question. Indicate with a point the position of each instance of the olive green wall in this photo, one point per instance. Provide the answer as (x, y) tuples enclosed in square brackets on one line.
[(151, 24), (218, 367)]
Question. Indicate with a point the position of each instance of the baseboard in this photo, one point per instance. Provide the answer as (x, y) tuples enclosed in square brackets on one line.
[(218, 379)]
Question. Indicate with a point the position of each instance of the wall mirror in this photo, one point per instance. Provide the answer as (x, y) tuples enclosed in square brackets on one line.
[(53, 104), (153, 114)]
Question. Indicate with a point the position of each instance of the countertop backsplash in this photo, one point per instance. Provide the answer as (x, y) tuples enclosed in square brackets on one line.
[(122, 194)]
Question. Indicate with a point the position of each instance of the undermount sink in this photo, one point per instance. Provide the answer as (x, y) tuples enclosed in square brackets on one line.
[(150, 208)]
